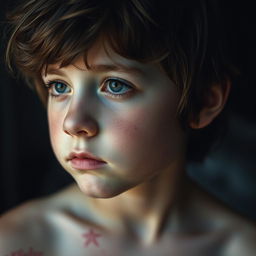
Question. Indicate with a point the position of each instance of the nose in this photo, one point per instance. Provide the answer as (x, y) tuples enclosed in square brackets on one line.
[(80, 122)]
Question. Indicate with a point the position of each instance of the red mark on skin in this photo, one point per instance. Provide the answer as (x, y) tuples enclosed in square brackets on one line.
[(31, 252), (91, 238)]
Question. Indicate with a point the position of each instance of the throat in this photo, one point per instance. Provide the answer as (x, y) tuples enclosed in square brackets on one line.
[(143, 212)]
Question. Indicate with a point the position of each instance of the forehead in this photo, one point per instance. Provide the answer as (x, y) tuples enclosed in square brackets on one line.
[(101, 58)]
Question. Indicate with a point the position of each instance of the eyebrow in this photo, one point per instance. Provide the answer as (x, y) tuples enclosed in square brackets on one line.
[(119, 68), (102, 68), (55, 72)]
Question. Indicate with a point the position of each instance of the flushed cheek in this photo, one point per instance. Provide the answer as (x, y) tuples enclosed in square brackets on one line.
[(138, 138), (126, 128)]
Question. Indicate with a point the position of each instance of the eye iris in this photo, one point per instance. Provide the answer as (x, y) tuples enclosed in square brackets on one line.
[(60, 87), (115, 86)]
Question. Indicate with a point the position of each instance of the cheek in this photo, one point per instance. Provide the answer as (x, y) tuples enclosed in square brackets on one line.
[(143, 135), (55, 128), (126, 130)]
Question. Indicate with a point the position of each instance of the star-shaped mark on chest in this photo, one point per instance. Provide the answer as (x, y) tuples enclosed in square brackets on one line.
[(91, 238)]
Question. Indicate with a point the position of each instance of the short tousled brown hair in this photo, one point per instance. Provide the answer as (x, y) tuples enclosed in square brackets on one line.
[(184, 36)]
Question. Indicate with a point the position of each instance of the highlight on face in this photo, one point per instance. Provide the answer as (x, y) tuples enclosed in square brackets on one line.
[(122, 112), (182, 38)]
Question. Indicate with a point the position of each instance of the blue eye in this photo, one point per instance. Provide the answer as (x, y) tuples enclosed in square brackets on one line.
[(117, 88), (114, 88), (57, 88)]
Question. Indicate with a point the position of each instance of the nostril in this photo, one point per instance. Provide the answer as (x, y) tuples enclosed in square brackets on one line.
[(82, 132), (86, 127)]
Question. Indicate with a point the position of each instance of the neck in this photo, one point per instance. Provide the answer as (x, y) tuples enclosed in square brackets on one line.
[(143, 213), (144, 210)]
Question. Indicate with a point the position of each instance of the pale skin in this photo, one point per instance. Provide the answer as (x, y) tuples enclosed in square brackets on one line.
[(140, 202)]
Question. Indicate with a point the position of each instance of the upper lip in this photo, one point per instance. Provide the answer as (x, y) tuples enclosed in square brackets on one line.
[(83, 155)]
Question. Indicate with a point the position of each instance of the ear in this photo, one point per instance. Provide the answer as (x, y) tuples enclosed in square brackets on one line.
[(214, 103)]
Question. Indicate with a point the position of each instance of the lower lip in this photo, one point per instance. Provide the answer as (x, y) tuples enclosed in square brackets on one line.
[(86, 164)]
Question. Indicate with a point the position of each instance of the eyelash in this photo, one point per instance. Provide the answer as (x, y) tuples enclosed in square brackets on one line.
[(50, 84)]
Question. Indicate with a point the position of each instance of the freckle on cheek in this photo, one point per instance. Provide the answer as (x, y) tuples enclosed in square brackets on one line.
[(125, 130), (126, 135)]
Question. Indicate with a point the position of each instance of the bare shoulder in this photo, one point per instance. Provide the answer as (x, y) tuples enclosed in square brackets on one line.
[(19, 228), (28, 228), (42, 226), (240, 232)]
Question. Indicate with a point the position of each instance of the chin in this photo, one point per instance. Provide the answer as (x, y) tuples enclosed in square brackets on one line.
[(97, 190), (102, 189)]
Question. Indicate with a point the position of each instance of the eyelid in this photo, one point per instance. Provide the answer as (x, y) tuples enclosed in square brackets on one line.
[(102, 87), (125, 82), (118, 79), (49, 84)]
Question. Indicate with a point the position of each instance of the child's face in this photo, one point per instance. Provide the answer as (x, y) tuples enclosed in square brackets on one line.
[(126, 117)]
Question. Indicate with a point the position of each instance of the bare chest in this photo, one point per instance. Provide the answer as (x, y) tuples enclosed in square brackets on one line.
[(90, 241)]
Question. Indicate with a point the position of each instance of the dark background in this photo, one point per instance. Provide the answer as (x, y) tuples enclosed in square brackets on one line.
[(28, 168)]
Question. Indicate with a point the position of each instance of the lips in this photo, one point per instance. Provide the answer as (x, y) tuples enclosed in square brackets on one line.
[(85, 161), (84, 155)]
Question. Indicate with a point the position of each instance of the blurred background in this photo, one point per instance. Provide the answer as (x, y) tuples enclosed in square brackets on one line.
[(28, 168)]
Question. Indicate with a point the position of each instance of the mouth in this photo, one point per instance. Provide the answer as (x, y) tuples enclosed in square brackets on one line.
[(85, 161)]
